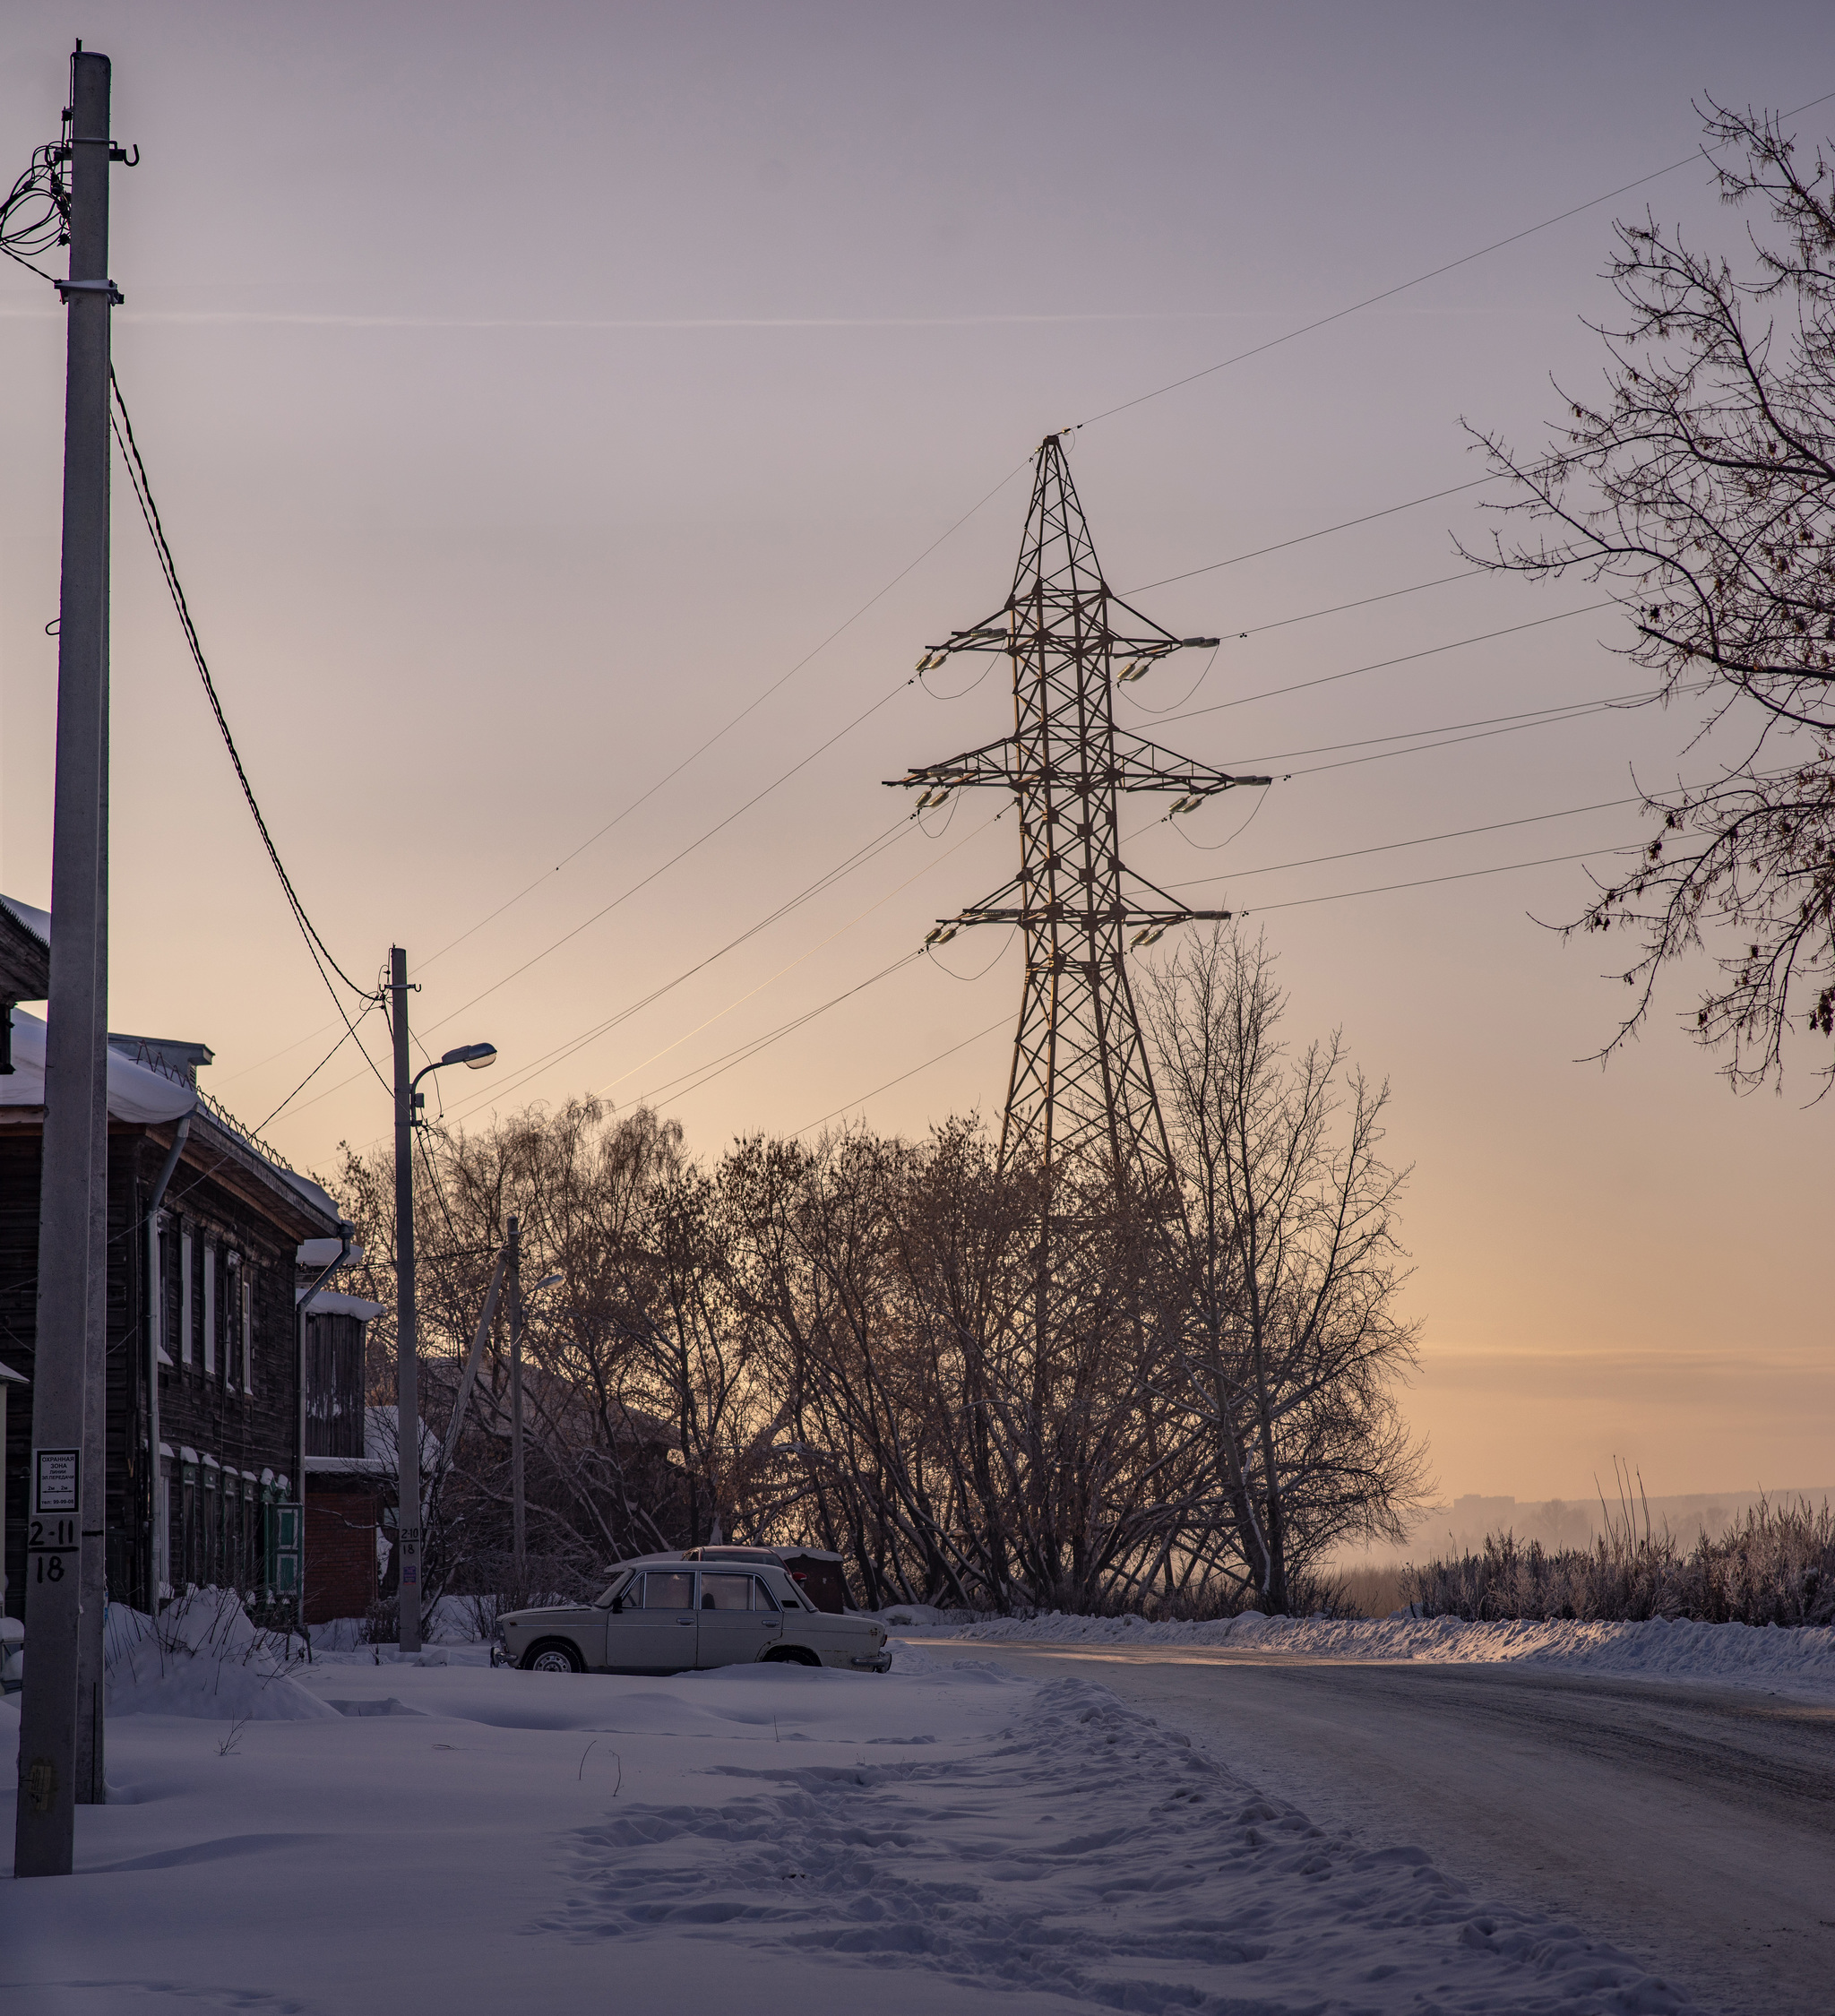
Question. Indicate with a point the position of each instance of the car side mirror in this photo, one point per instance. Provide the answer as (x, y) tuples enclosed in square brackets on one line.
[(617, 1605)]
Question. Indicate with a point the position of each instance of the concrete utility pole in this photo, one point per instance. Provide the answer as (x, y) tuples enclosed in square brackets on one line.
[(407, 1369), (476, 1056), (517, 1517), (66, 1493)]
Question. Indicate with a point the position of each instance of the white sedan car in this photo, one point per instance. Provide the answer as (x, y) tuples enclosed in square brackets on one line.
[(672, 1616)]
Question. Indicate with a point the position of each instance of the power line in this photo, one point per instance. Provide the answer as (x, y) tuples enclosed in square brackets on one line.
[(1385, 664), (313, 1073), (1004, 1022), (717, 1067), (718, 733), (1469, 874), (1389, 293), (861, 856), (316, 948), (681, 854), (1303, 539), (489, 1096), (1391, 847)]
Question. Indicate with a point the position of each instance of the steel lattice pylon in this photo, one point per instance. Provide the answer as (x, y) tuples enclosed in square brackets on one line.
[(1080, 1078)]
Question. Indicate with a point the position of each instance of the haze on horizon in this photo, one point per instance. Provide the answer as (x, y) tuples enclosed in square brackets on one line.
[(526, 394)]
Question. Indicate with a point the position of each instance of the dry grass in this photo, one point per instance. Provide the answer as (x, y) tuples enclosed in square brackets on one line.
[(1774, 1566), (1371, 1591)]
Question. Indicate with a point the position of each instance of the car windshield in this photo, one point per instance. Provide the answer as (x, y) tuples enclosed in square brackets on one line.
[(618, 1586)]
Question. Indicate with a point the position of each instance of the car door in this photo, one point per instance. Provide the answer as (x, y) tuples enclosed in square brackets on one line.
[(738, 1619), (654, 1631)]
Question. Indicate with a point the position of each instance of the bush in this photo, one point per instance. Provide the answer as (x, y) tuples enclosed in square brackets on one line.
[(1776, 1566)]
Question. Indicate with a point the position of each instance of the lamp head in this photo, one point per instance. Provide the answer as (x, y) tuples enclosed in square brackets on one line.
[(474, 1056)]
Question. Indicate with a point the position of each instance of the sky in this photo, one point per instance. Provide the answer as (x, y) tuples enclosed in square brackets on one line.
[(529, 395)]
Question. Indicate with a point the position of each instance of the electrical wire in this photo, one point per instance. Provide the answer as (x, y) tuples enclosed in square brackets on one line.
[(717, 1067), (1304, 538), (1310, 616), (1386, 664), (969, 979), (860, 857), (1391, 847), (1213, 846), (809, 657), (1003, 1022), (839, 931), (491, 1094), (1420, 279), (681, 854), (1429, 882), (168, 568), (310, 1075), (317, 949)]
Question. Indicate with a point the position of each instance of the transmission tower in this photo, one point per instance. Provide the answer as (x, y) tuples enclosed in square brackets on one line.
[(1079, 1079)]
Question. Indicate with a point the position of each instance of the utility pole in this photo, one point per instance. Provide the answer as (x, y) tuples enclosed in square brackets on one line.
[(407, 1382), (410, 1582), (67, 1493), (517, 1517)]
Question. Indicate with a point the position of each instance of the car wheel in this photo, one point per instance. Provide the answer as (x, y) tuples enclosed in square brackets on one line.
[(791, 1655), (552, 1655)]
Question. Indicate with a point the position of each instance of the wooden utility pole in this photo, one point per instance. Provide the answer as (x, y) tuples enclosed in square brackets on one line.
[(65, 1484)]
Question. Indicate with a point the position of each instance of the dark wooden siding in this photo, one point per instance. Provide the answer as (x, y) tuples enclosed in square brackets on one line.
[(246, 1432)]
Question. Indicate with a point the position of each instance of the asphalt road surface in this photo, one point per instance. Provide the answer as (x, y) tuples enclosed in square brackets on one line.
[(1691, 1826)]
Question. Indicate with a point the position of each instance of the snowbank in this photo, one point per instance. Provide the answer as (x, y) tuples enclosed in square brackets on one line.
[(1732, 1654), (202, 1656)]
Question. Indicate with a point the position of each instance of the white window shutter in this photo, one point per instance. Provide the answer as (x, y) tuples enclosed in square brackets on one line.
[(211, 1312), (186, 1243)]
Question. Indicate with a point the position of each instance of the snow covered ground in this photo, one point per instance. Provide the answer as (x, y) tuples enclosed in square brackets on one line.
[(1728, 1655), (359, 1836)]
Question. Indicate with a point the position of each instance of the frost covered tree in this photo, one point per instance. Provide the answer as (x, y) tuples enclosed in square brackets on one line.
[(1285, 1269), (1702, 487)]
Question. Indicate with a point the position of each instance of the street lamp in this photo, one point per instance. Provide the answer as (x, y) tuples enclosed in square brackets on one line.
[(409, 1101)]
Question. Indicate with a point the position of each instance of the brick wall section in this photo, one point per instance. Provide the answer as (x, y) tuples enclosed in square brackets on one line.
[(340, 1554)]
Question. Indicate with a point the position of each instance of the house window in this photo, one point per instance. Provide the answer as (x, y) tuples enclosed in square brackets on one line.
[(162, 1525), (185, 1244), (156, 1300), (188, 1520), (210, 1536), (210, 1310), (247, 1331), (334, 1405)]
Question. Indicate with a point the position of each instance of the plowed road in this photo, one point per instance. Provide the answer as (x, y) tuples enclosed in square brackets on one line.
[(1692, 1826)]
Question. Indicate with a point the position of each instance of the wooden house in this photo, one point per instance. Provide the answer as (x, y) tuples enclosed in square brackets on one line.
[(206, 1420)]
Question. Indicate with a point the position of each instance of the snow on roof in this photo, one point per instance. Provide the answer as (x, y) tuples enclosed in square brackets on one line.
[(329, 1302), (319, 1254), (316, 1196), (37, 921), (135, 1094), (7, 1372)]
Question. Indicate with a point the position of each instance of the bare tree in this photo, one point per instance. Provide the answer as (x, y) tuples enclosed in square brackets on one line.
[(1283, 1286), (1701, 488)]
